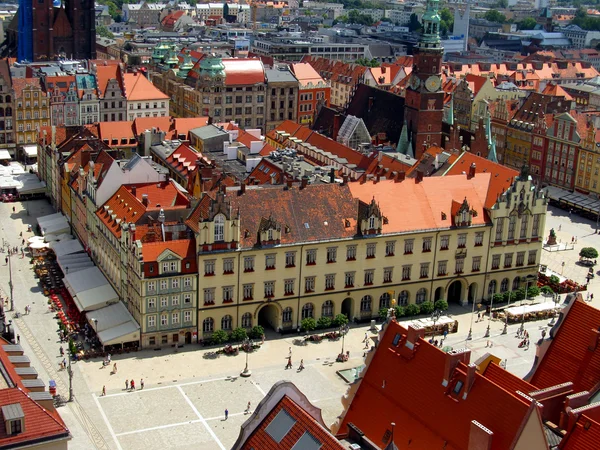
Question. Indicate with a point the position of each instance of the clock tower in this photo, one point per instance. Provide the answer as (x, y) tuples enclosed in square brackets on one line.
[(424, 100)]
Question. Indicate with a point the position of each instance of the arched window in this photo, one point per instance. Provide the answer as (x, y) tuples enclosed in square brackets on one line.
[(492, 288), (504, 285), (403, 298), (7, 99), (371, 222), (366, 303), (8, 112), (1, 112), (219, 228), (384, 300), (421, 295), (516, 283), (308, 310), (208, 325), (226, 322), (327, 309), (287, 314), (247, 320)]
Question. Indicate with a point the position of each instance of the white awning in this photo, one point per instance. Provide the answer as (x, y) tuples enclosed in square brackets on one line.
[(75, 262), (66, 247), (31, 185), (95, 298), (54, 224), (30, 151), (4, 154), (114, 324)]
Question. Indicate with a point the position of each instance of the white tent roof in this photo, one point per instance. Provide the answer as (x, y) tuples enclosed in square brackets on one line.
[(66, 247), (4, 154), (95, 298), (54, 224), (84, 280), (30, 150), (49, 218), (33, 239), (75, 262), (31, 185), (114, 324), (37, 245)]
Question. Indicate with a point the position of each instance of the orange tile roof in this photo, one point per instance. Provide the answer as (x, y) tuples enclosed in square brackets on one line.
[(267, 172), (501, 176), (19, 84), (336, 71), (384, 75), (304, 422), (585, 435), (306, 74), (183, 160), (423, 203), (183, 125), (117, 130), (556, 90), (478, 82), (62, 82), (569, 357), (138, 87), (429, 414), (106, 73), (185, 248), (507, 380)]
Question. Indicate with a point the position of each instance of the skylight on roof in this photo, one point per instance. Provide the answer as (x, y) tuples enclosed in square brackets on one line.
[(307, 442), (280, 426)]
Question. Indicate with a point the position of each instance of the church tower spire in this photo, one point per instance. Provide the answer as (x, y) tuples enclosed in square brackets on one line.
[(424, 100)]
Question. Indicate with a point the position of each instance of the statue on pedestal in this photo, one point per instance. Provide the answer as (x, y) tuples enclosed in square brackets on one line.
[(551, 238)]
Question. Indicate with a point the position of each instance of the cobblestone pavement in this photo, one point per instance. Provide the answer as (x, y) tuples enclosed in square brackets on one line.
[(186, 393)]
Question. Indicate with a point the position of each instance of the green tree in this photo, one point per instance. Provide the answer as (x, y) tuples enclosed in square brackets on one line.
[(426, 307), (588, 253), (399, 311), (494, 16), (412, 309), (238, 335), (323, 322), (441, 305), (219, 337), (528, 23), (383, 312), (447, 21), (414, 24), (367, 62), (554, 279), (533, 291), (359, 18), (308, 324), (257, 332), (547, 290), (340, 320), (102, 31), (498, 297), (519, 294)]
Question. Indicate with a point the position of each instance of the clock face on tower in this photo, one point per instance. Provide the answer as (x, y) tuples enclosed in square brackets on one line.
[(433, 83)]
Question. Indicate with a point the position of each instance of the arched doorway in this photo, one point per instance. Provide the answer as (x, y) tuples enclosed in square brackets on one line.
[(472, 295), (268, 317), (347, 308), (455, 292), (439, 292), (188, 338)]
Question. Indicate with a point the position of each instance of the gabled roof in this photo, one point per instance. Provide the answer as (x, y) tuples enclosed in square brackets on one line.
[(184, 248), (571, 356), (436, 404), (21, 83), (306, 74), (105, 73), (138, 87), (243, 71), (585, 435), (121, 131)]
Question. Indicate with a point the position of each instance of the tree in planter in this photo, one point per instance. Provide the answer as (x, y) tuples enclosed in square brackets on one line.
[(426, 307), (498, 297), (533, 291), (412, 309), (520, 294), (383, 312), (238, 335), (308, 324), (547, 290), (554, 279), (340, 320), (257, 332), (323, 322), (441, 305), (399, 311), (219, 337), (588, 253)]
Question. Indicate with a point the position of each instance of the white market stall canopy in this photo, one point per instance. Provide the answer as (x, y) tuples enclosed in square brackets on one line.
[(66, 247), (75, 262), (30, 151), (4, 154), (54, 224), (114, 324), (90, 289)]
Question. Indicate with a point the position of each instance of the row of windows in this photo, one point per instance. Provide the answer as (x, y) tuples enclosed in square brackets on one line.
[(239, 99), (164, 319), (164, 284), (332, 252), (164, 301), (508, 259), (512, 224), (147, 105)]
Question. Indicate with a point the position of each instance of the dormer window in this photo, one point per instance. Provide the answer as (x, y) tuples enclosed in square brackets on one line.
[(371, 222), (219, 228), (14, 419)]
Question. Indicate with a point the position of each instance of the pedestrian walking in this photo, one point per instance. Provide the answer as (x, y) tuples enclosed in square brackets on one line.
[(115, 368), (247, 411), (226, 414), (18, 338), (132, 384), (289, 363), (142, 383), (126, 385), (23, 242), (366, 338), (103, 391), (572, 239), (559, 227), (290, 351), (6, 260), (14, 209)]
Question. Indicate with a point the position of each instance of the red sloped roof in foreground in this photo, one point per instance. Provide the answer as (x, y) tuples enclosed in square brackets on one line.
[(569, 357), (406, 388)]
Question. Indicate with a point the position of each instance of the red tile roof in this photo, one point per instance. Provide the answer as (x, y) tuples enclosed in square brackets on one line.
[(569, 357), (185, 248), (267, 172), (305, 74), (585, 435), (21, 83), (404, 384), (106, 73), (183, 160), (243, 71), (507, 380), (138, 87), (119, 131), (62, 82)]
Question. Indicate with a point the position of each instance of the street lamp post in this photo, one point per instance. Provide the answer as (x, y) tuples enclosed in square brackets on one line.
[(435, 316), (555, 298), (470, 335), (10, 281), (70, 372), (505, 330), (343, 337), (527, 279), (246, 346), (487, 331)]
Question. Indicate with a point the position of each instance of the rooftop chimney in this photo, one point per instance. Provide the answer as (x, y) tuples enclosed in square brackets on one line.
[(401, 176), (472, 171), (594, 336), (288, 183), (304, 182), (480, 437), (145, 199), (471, 371), (344, 179), (413, 335), (332, 175), (242, 189), (419, 176), (453, 357), (133, 190)]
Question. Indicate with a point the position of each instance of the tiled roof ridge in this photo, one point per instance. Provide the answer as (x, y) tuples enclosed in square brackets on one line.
[(60, 423)]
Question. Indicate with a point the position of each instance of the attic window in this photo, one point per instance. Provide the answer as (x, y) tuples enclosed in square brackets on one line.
[(385, 221), (396, 339), (443, 216), (457, 387), (14, 419), (306, 225), (287, 229)]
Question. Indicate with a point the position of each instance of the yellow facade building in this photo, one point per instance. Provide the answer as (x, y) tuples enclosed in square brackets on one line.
[(587, 177), (275, 255), (32, 109)]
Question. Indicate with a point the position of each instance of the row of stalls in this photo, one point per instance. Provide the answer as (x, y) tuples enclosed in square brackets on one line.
[(585, 205), (17, 183), (84, 288)]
